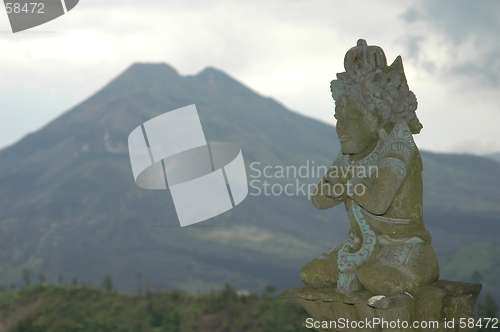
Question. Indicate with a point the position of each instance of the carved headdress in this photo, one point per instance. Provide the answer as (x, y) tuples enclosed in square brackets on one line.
[(381, 88)]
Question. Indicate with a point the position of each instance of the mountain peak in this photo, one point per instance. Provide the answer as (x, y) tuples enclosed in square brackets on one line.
[(213, 70), (142, 75), (145, 68), (218, 79), (145, 74)]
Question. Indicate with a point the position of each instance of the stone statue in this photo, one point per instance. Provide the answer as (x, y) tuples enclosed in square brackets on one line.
[(387, 262), (378, 175)]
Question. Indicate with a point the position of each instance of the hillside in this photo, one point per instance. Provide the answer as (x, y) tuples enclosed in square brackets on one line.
[(48, 308), (494, 156), (69, 205), (89, 310), (479, 256)]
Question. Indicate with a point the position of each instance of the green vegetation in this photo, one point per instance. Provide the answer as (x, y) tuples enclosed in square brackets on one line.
[(70, 309), (48, 308), (488, 311), (478, 262)]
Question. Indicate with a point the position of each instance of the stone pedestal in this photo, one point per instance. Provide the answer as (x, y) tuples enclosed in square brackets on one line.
[(444, 302)]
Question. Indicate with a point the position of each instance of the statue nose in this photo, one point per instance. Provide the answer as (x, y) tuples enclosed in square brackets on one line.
[(340, 123)]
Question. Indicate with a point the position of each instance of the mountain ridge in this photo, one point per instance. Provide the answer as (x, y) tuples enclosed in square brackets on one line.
[(494, 156)]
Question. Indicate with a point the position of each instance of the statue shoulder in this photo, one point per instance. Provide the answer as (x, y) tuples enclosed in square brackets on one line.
[(399, 151), (399, 144)]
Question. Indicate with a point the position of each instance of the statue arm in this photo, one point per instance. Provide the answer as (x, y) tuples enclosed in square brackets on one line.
[(378, 195), (331, 188)]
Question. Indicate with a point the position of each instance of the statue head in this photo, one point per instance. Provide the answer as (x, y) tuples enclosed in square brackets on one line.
[(371, 96)]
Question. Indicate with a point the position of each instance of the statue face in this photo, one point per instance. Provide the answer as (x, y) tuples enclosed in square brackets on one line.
[(357, 127)]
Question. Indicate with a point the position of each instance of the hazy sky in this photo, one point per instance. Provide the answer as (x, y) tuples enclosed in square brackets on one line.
[(286, 49)]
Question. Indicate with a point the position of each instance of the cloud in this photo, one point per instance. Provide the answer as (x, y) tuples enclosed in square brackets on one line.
[(458, 19), (285, 49), (467, 33), (486, 72), (411, 15), (413, 45)]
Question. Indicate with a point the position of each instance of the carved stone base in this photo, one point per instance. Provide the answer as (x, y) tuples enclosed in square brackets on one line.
[(445, 302)]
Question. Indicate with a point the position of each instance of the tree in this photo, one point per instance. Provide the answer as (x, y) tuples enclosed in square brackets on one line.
[(107, 283), (269, 289), (139, 287), (27, 276), (148, 289), (490, 307), (41, 277), (172, 322), (488, 310)]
